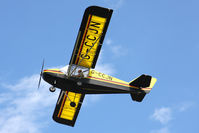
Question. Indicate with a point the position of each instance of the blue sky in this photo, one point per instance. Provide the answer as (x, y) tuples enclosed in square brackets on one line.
[(154, 37)]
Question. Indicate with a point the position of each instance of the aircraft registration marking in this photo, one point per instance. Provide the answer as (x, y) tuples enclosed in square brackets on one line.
[(113, 82), (90, 41), (94, 73), (118, 83)]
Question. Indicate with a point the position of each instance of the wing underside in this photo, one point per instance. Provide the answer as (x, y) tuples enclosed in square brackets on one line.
[(90, 36), (65, 113)]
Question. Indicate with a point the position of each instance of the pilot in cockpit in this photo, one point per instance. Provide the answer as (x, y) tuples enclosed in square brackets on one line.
[(80, 73)]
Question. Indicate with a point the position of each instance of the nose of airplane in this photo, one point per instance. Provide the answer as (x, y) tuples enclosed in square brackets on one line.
[(50, 75)]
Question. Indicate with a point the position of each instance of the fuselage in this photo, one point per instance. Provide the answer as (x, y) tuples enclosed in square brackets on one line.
[(94, 83)]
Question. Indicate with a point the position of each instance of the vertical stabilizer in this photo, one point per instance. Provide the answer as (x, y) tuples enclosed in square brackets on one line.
[(145, 83)]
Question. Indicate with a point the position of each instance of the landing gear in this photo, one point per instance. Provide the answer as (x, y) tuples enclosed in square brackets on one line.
[(52, 89)]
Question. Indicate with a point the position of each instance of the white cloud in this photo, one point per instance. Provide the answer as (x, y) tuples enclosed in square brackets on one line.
[(115, 4), (108, 42), (185, 106), (163, 115), (4, 97), (118, 4), (23, 106), (116, 49), (24, 84), (162, 130), (91, 99), (19, 124), (105, 68)]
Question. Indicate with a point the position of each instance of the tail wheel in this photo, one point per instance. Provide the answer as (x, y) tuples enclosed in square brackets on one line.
[(52, 89)]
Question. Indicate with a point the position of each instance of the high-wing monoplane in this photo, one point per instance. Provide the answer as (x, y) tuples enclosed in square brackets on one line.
[(81, 78)]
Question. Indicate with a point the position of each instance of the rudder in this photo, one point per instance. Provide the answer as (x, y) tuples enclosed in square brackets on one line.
[(145, 83)]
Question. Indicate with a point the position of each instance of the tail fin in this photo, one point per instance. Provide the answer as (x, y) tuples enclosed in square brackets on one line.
[(145, 83)]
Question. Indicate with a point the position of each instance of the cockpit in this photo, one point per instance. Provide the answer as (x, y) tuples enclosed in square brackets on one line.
[(75, 71)]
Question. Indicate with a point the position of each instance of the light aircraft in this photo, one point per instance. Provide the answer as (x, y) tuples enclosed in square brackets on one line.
[(81, 78)]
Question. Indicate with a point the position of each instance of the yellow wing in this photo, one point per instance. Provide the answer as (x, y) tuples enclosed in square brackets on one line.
[(90, 37), (67, 107)]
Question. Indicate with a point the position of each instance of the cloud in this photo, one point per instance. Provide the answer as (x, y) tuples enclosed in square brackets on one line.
[(185, 106), (105, 68), (4, 98), (18, 124), (115, 4), (163, 115), (162, 130), (91, 99), (108, 42), (118, 4), (116, 49), (23, 106)]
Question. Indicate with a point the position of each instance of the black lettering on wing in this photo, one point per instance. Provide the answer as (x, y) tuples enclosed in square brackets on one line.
[(94, 24), (94, 31), (93, 38), (84, 56), (86, 43)]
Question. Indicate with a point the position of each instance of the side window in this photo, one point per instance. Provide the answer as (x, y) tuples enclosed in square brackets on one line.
[(78, 71)]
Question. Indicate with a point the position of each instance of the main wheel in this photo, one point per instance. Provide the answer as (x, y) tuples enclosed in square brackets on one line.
[(52, 89)]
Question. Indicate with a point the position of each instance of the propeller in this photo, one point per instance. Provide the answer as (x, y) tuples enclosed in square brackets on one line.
[(41, 74)]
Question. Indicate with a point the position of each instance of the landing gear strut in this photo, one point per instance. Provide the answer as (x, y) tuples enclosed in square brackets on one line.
[(52, 89)]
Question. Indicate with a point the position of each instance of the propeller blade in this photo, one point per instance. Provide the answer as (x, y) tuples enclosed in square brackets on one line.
[(39, 82), (41, 74)]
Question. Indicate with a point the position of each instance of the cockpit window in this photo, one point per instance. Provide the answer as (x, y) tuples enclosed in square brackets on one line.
[(76, 71)]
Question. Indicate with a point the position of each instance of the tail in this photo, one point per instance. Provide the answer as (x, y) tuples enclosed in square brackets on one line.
[(145, 83)]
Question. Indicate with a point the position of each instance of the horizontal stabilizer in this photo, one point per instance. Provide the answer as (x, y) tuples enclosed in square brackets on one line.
[(142, 82)]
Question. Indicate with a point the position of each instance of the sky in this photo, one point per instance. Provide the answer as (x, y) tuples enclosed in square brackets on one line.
[(159, 38)]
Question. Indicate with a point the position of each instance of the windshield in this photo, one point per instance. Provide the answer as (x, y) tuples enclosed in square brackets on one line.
[(64, 69), (75, 71)]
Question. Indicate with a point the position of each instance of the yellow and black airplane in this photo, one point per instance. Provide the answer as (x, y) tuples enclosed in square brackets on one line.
[(80, 78)]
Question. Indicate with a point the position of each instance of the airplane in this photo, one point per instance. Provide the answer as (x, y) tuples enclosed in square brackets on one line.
[(80, 78)]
